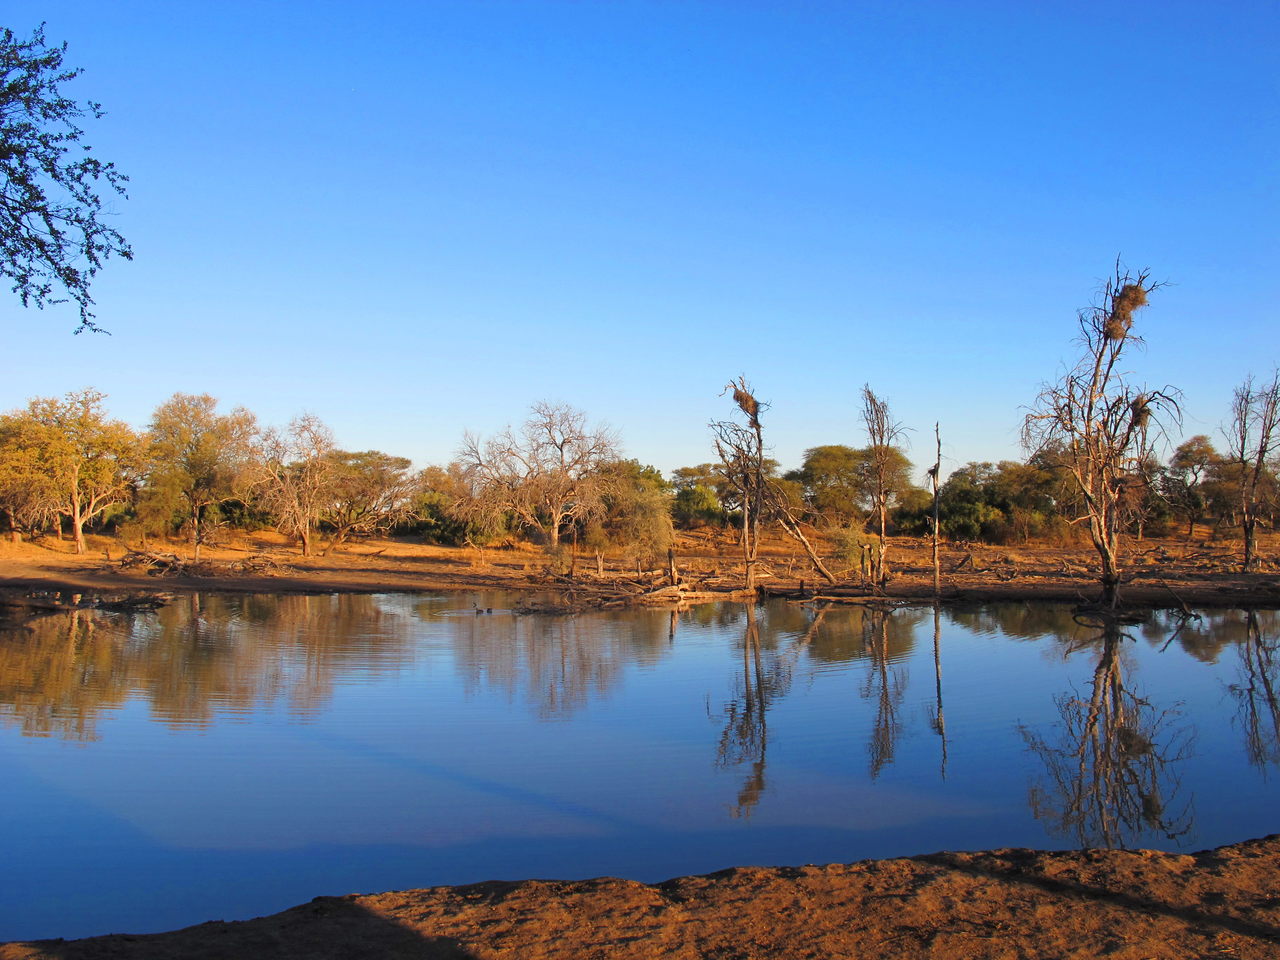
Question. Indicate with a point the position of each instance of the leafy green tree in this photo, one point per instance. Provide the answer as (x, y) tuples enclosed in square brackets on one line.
[(704, 474), (52, 242), (82, 462), (369, 492), (200, 458), (636, 514), (1031, 495), (1183, 483), (442, 510), (964, 508), (28, 496), (697, 506), (716, 478), (913, 514), (835, 479)]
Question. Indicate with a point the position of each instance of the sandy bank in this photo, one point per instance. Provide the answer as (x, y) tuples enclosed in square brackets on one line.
[(1004, 903)]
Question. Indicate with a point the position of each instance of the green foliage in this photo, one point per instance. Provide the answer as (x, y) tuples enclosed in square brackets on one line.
[(834, 479), (913, 517), (69, 455), (368, 492), (51, 241), (697, 506), (839, 482), (1007, 503), (636, 514), (850, 544), (199, 458), (434, 515)]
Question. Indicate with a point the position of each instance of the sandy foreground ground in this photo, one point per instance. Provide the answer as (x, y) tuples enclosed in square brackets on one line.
[(998, 904), (1126, 905)]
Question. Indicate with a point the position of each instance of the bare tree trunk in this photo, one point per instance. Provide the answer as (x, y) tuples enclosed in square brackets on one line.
[(882, 568), (1110, 570), (793, 528), (941, 724), (935, 475), (77, 519)]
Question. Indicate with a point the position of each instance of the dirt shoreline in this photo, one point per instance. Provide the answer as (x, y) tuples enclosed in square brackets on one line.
[(1165, 574), (996, 904)]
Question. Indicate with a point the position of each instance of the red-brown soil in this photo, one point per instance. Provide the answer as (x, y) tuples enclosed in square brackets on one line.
[(1158, 572), (1002, 904)]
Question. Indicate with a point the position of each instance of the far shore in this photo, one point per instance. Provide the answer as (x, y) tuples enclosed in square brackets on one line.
[(1159, 573)]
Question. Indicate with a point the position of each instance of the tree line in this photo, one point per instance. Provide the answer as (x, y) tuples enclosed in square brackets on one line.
[(1091, 472), (66, 468)]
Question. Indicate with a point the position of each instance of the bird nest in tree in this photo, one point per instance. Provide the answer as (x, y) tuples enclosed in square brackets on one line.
[(1130, 297), (1140, 407), (746, 402)]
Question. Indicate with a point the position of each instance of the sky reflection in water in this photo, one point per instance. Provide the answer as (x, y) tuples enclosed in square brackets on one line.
[(226, 757)]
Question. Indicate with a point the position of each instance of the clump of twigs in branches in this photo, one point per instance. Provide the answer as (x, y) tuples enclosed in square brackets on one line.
[(1130, 297), (1097, 425)]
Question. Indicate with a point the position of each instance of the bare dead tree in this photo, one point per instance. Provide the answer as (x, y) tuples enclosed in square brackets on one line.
[(550, 474), (294, 476), (939, 718), (1258, 694), (934, 473), (888, 684), (1097, 425), (741, 452), (884, 434), (1252, 441), (1111, 771)]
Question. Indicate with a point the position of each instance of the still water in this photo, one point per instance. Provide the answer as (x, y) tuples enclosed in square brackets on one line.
[(226, 757)]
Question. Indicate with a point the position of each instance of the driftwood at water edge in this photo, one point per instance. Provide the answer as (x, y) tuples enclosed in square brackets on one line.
[(581, 597), (171, 565), (21, 607)]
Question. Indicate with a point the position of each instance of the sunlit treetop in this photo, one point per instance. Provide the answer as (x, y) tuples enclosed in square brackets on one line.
[(52, 242)]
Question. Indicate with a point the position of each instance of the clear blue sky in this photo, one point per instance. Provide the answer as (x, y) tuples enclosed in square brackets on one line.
[(413, 219)]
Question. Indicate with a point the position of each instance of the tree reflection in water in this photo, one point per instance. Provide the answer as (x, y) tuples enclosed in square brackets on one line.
[(194, 660), (557, 664), (1255, 693), (57, 674), (880, 636), (886, 685), (745, 738), (1111, 772), (939, 720)]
